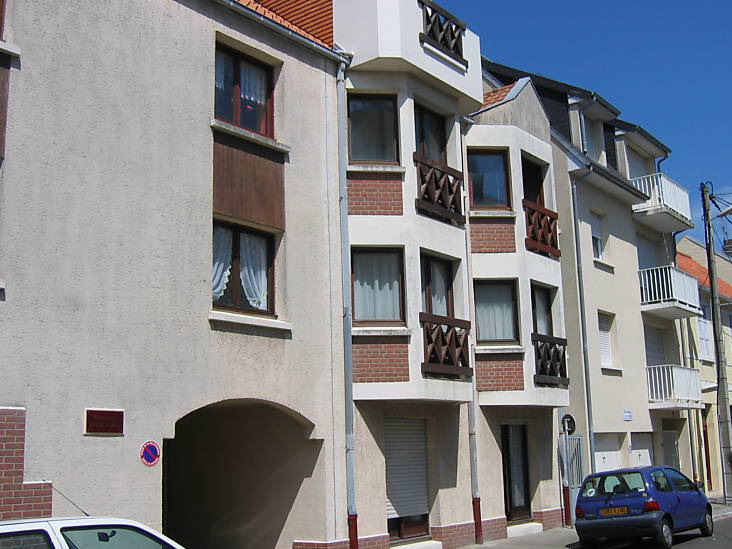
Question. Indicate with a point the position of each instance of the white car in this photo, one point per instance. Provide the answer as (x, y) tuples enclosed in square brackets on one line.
[(81, 533)]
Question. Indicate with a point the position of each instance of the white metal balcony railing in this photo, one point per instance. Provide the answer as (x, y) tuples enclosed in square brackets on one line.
[(663, 191), (668, 284), (705, 351), (671, 385)]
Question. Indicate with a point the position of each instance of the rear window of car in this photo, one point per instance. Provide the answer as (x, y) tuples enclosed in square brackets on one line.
[(613, 483), (34, 539)]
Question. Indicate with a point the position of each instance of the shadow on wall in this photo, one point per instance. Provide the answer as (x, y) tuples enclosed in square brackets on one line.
[(232, 473)]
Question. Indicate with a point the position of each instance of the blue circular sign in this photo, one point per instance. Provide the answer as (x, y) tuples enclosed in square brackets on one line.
[(150, 453)]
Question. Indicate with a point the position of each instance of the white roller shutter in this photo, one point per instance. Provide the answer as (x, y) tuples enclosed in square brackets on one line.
[(642, 449), (405, 442), (606, 357), (655, 353)]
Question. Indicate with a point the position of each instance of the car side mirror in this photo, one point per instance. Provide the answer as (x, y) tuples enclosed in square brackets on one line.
[(700, 485)]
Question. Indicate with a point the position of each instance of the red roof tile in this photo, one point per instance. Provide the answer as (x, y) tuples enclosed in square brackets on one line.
[(318, 23), (700, 272), (494, 96)]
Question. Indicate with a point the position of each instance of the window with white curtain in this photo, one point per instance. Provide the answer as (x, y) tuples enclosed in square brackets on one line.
[(437, 286), (496, 311), (605, 322), (598, 240), (242, 272), (377, 284)]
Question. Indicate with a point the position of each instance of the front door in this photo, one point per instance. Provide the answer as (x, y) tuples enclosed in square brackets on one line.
[(671, 449), (515, 472)]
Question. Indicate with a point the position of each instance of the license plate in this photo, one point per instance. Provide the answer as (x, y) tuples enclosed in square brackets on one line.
[(611, 511)]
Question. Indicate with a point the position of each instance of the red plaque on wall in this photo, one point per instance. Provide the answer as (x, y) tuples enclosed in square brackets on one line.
[(104, 422)]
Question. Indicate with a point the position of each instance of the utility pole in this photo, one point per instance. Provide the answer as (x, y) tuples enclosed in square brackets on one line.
[(723, 411)]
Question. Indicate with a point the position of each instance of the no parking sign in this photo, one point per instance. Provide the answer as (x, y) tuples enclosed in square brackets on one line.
[(150, 453)]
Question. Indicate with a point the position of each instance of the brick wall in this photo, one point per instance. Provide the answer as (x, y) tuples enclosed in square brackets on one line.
[(492, 235), (371, 542), (549, 518), (496, 528), (375, 194), (18, 499), (499, 372), (377, 359), (454, 535)]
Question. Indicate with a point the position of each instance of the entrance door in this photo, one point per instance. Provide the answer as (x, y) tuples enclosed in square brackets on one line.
[(515, 472), (671, 449), (407, 505), (655, 351)]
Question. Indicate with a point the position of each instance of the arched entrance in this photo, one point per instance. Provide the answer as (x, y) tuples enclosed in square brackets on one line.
[(232, 473)]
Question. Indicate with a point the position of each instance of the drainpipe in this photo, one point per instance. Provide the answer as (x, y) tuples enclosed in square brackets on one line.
[(474, 489), (347, 313), (583, 318), (660, 161)]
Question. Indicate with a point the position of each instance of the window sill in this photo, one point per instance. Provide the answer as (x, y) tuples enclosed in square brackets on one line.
[(247, 135), (389, 331), (249, 320), (600, 264), (10, 49), (492, 213), (376, 168), (611, 369), (499, 349)]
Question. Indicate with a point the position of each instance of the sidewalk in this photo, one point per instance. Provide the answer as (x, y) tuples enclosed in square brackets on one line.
[(561, 538)]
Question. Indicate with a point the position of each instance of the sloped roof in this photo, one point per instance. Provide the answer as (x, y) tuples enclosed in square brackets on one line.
[(700, 272), (312, 19), (499, 94)]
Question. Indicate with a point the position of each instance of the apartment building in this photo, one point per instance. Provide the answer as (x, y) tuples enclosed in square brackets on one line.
[(623, 295), (169, 245), (697, 335)]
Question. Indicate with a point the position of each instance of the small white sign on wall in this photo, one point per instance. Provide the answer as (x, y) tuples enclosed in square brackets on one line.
[(627, 414)]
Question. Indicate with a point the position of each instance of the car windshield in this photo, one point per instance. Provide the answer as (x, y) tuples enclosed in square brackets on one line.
[(613, 483)]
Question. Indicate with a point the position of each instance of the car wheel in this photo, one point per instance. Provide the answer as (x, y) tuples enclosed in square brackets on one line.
[(707, 527), (665, 536), (588, 543)]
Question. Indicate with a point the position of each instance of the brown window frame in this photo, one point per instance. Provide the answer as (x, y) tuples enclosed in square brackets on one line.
[(394, 100), (237, 291), (419, 112), (426, 262), (2, 19), (514, 294), (402, 301), (552, 295), (236, 91), (507, 178)]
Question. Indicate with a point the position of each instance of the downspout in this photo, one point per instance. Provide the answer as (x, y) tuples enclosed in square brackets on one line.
[(659, 162), (472, 437), (583, 318), (347, 313)]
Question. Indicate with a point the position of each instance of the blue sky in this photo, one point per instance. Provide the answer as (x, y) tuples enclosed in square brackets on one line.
[(666, 65)]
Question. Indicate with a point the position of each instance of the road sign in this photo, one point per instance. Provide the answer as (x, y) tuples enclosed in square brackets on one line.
[(150, 453), (568, 424)]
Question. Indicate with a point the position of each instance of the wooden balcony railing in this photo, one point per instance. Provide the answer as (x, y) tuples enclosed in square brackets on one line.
[(541, 229), (550, 354), (443, 31), (446, 349), (438, 190)]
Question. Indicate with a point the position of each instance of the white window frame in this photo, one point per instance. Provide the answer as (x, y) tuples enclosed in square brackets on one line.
[(598, 236), (605, 339)]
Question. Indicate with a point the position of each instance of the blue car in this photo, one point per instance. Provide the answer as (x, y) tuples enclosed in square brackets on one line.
[(635, 503)]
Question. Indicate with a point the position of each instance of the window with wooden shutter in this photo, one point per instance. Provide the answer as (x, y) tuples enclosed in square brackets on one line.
[(604, 322)]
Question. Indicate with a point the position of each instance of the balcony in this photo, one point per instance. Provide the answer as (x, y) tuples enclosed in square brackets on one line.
[(442, 31), (550, 356), (668, 208), (446, 347), (439, 190), (669, 292), (673, 387), (541, 229)]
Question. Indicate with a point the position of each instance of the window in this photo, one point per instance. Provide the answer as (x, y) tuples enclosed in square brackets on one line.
[(29, 539), (680, 482), (373, 129), (243, 92), (541, 309), (605, 322), (430, 135), (613, 483), (496, 311), (114, 535), (437, 286), (598, 242), (660, 481), (533, 180), (243, 269), (489, 183), (377, 285)]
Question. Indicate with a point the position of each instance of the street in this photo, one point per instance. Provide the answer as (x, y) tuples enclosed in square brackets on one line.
[(565, 538)]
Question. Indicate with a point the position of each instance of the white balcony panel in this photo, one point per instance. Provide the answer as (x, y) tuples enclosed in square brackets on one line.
[(705, 350), (669, 292), (673, 387), (668, 208)]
